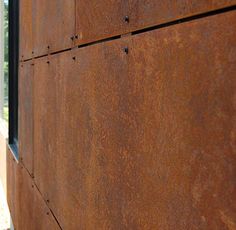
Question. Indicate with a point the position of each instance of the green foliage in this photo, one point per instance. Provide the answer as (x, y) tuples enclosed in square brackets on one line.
[(6, 31), (5, 53), (5, 113)]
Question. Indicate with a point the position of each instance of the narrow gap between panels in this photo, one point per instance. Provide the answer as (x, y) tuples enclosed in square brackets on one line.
[(34, 184), (175, 22), (48, 206), (44, 55), (100, 41), (60, 51), (25, 60), (187, 19), (30, 59), (21, 162)]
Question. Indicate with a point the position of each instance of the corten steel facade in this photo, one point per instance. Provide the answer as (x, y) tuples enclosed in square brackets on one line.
[(127, 115)]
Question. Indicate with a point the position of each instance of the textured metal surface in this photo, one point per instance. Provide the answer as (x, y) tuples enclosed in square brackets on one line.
[(64, 143), (26, 30), (28, 209), (53, 25), (146, 13), (26, 114), (34, 213), (143, 139), (12, 186), (183, 111), (96, 20)]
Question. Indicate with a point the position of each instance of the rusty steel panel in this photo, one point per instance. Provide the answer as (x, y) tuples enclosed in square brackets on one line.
[(47, 128), (53, 25), (33, 211), (143, 139), (146, 13), (96, 20), (13, 181), (27, 207), (67, 94), (183, 85), (26, 28), (26, 114)]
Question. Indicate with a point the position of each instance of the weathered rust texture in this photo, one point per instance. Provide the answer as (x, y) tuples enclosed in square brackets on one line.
[(28, 209), (13, 178), (183, 113), (53, 25), (34, 213), (144, 140), (26, 35), (96, 20), (26, 114), (146, 13), (68, 134)]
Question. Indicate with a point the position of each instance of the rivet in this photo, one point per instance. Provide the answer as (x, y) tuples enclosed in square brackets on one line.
[(126, 49), (72, 38), (76, 36), (48, 47), (47, 201), (73, 58), (48, 62), (47, 213), (127, 19), (32, 52)]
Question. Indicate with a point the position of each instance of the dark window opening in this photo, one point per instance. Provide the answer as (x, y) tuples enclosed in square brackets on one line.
[(13, 74)]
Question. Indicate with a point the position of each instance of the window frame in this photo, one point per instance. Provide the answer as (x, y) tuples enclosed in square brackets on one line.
[(13, 17)]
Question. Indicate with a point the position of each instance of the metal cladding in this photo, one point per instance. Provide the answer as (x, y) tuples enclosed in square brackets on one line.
[(127, 116)]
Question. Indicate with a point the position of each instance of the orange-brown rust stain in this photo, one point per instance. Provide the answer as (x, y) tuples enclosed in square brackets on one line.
[(143, 140), (26, 114)]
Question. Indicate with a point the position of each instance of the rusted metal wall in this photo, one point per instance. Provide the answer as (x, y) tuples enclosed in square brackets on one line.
[(26, 30), (26, 141), (97, 20), (27, 207), (56, 25), (132, 133)]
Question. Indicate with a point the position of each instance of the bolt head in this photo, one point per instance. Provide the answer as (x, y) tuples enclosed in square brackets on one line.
[(126, 19)]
